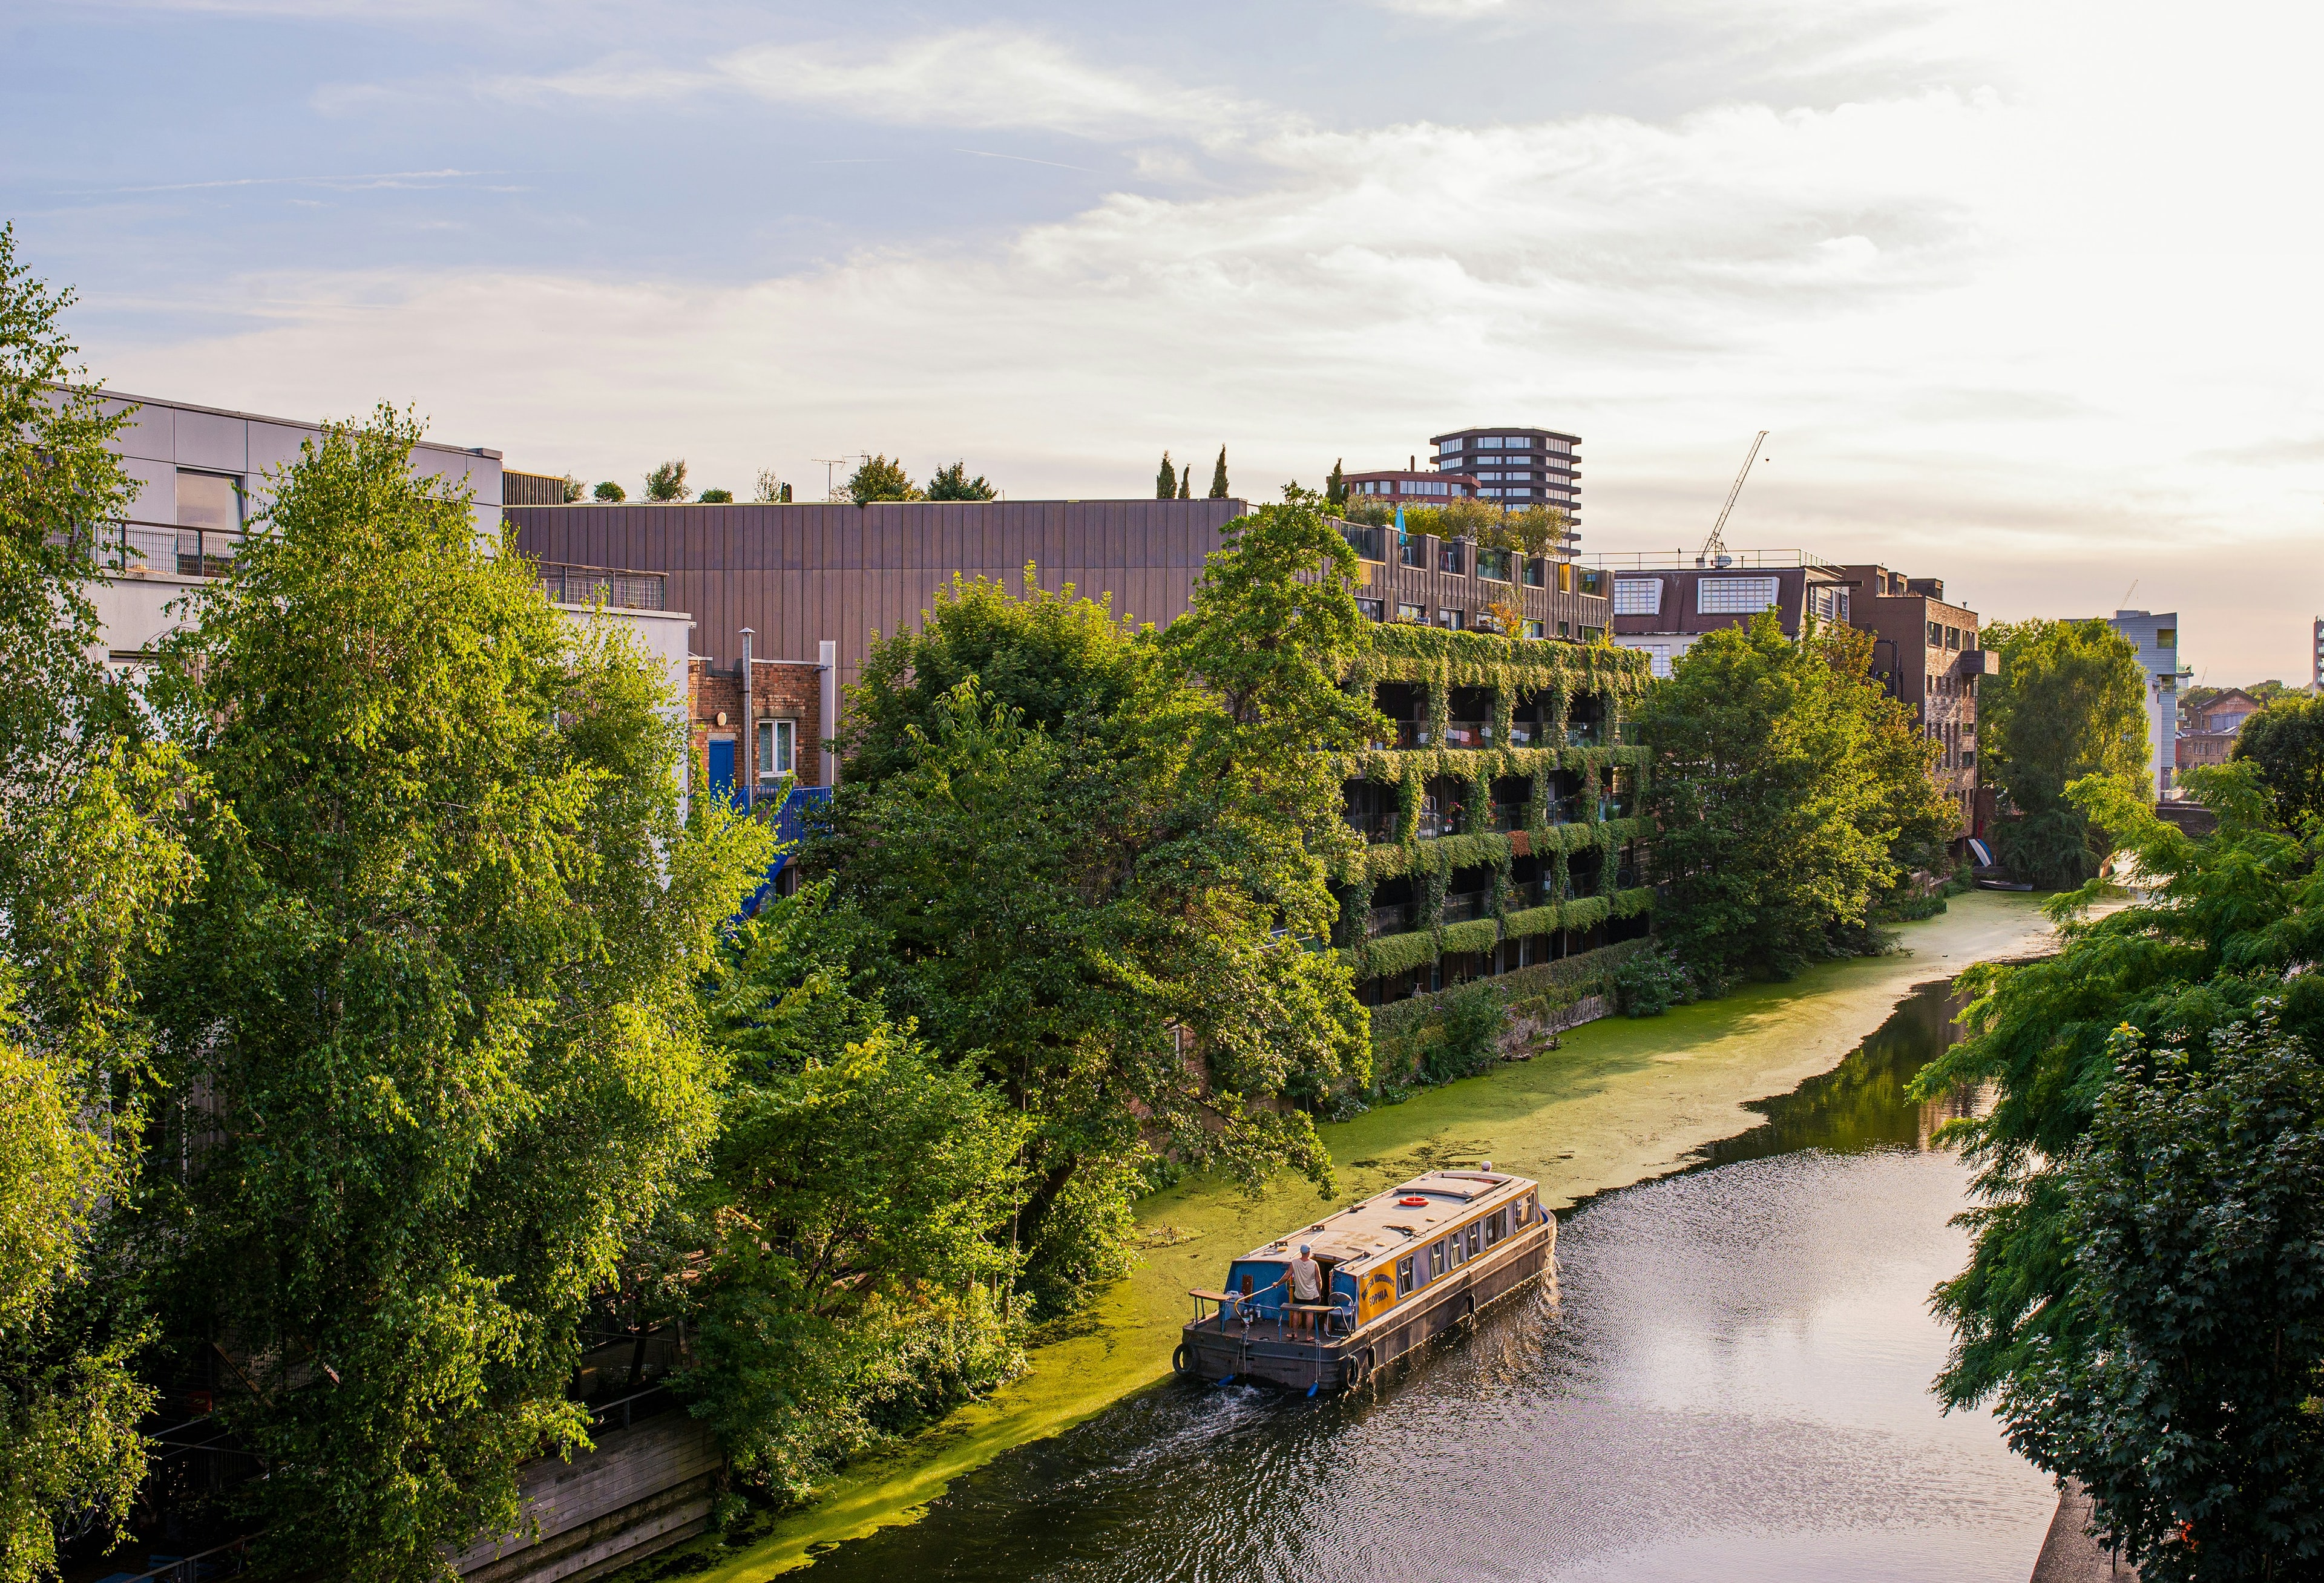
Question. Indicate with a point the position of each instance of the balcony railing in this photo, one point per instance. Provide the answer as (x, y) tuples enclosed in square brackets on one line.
[(132, 546), (1618, 807), (1367, 542), (1389, 920), (1469, 733), (1523, 733), (1506, 817), (1474, 904), (1435, 824), (1376, 827), (622, 590), (1584, 736)]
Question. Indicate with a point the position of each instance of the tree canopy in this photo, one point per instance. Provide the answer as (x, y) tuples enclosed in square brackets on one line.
[(2071, 702), (953, 483), (879, 479), (667, 482), (1789, 793), (435, 988), (1083, 855), (1165, 480), (609, 491), (1218, 477), (2284, 743)]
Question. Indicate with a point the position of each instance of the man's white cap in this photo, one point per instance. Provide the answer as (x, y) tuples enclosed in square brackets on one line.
[(1303, 1248)]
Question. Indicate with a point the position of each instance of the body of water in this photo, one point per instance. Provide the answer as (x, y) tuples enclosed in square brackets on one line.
[(1729, 1379)]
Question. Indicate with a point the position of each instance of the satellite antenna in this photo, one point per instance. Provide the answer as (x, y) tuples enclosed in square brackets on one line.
[(1714, 549), (828, 464)]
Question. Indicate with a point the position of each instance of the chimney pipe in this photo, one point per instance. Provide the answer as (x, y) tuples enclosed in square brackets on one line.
[(826, 654), (749, 728)]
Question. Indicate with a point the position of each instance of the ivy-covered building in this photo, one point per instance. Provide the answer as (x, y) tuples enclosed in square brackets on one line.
[(1499, 827)]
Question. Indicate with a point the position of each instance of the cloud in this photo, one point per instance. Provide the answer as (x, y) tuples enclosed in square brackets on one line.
[(987, 78)]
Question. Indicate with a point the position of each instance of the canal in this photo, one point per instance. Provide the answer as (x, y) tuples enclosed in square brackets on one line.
[(1729, 1379)]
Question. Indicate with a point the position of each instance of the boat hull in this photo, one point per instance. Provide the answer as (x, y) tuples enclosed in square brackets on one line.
[(1265, 1349)]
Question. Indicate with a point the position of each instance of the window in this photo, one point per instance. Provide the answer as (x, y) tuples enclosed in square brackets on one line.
[(1936, 635), (2166, 637), (1371, 610), (207, 500), (1638, 596), (1658, 658), (1452, 620), (1404, 1277), (1410, 613), (1493, 565), (777, 748), (1536, 572), (1476, 1229), (1364, 541), (1455, 1248), (1435, 1261), (1496, 1227), (1490, 442), (1952, 636), (1521, 1212), (1734, 595), (1536, 628)]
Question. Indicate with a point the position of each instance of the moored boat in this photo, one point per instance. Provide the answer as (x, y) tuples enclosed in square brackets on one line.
[(1393, 1270)]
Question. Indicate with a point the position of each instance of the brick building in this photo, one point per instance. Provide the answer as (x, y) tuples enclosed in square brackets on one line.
[(1660, 604), (758, 736), (2208, 735), (1926, 651)]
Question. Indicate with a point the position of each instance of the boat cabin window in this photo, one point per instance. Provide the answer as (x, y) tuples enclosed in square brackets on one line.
[(1404, 1277), (1493, 1227), (1455, 1248), (1435, 1261)]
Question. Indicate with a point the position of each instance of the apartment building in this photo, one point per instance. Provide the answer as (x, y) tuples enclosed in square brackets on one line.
[(1662, 603), (1517, 467), (1411, 486), (1500, 814), (1927, 653), (800, 576), (2156, 636)]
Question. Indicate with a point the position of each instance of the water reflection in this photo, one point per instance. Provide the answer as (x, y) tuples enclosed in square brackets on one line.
[(1733, 1385)]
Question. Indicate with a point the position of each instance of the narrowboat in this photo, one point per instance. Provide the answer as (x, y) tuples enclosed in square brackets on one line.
[(1395, 1270)]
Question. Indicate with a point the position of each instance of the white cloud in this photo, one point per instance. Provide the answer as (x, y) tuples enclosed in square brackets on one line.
[(2025, 341), (984, 77)]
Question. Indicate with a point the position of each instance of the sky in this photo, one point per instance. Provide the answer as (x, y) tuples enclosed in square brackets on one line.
[(2027, 294)]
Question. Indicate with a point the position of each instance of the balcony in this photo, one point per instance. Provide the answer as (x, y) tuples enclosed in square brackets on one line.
[(1376, 827), (1584, 736), (1387, 920), (619, 590), (1435, 824), (1474, 904), (1469, 733), (1523, 733), (1616, 807), (1367, 542), (132, 546), (1505, 817)]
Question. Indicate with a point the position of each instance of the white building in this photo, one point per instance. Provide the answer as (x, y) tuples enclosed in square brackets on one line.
[(202, 474), (2157, 636)]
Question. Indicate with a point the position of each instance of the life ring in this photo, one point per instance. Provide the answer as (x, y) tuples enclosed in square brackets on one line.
[(1412, 1202), (1179, 1362), (1359, 1367)]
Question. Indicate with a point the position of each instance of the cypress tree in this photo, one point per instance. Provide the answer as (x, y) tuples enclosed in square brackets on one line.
[(1166, 483), (1335, 487), (1185, 477), (1218, 477)]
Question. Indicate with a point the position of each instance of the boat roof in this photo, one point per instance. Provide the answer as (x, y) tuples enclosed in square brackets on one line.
[(1380, 1227)]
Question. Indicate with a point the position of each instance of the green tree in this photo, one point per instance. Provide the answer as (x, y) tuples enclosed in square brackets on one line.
[(1335, 487), (1185, 479), (667, 482), (2071, 702), (879, 479), (1082, 890), (1165, 481), (770, 490), (611, 494), (1787, 786), (1218, 477), (431, 1002), (953, 483), (857, 1212), (2284, 742), (572, 489), (2195, 1214), (2225, 921), (91, 858), (716, 497)]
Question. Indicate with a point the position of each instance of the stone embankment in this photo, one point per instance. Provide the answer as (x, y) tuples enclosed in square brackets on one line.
[(2069, 1555)]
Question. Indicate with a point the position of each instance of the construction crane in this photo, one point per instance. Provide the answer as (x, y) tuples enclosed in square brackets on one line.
[(1714, 549)]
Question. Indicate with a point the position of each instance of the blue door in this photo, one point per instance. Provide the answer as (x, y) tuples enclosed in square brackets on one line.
[(721, 770)]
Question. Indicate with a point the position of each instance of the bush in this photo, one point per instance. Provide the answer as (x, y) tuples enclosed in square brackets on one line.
[(611, 493), (1651, 982), (716, 497)]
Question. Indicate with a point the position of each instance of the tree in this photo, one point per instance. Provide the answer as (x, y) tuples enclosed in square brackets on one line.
[(2071, 702), (2195, 1214), (2284, 742), (953, 483), (856, 1211), (667, 482), (572, 489), (1185, 479), (1165, 481), (1786, 787), (2226, 921), (430, 1005), (771, 490), (611, 494), (879, 479), (1073, 844), (91, 858), (716, 497), (1335, 487), (1218, 477)]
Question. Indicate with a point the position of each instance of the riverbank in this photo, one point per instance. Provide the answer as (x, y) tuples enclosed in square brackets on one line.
[(1622, 1102)]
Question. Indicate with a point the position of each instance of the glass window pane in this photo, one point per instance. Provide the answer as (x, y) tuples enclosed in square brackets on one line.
[(205, 500)]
